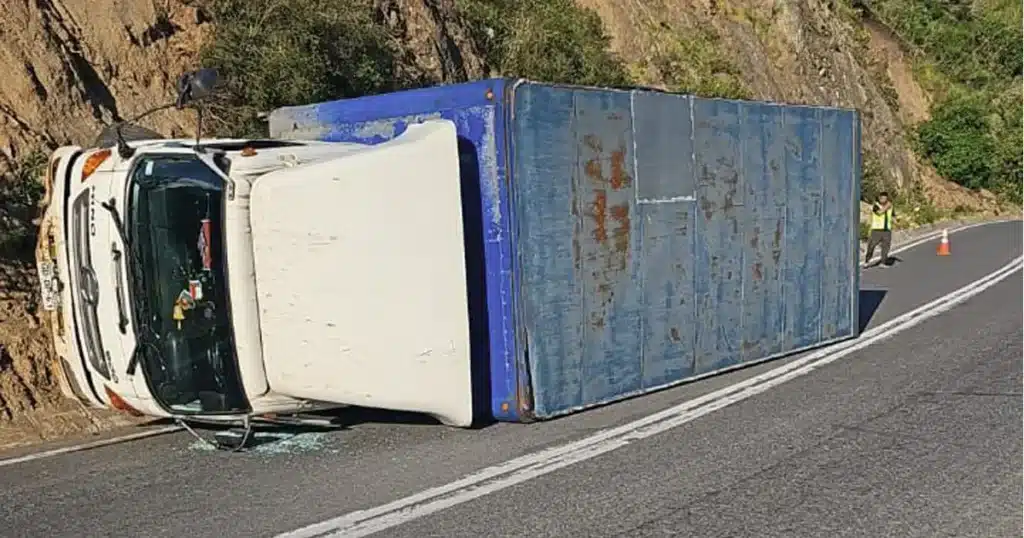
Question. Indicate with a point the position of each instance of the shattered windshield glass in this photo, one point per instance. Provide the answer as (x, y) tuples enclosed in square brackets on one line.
[(180, 303)]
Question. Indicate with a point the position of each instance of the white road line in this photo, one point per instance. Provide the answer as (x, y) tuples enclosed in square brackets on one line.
[(522, 469), (169, 429), (87, 446)]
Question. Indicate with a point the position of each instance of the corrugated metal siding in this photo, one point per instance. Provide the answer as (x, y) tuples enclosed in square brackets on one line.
[(659, 237)]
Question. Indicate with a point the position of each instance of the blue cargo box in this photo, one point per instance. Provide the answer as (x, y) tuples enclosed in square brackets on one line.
[(623, 241)]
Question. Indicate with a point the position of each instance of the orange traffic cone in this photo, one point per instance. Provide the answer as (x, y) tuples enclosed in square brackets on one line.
[(943, 249)]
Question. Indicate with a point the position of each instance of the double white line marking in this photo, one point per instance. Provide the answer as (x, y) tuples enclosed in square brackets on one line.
[(522, 469)]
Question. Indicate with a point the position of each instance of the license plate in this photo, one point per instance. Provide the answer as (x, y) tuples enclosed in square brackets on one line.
[(48, 285)]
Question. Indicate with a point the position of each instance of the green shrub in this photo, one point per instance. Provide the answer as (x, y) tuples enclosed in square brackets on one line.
[(957, 142), (20, 193), (274, 53), (546, 40), (696, 65), (972, 54)]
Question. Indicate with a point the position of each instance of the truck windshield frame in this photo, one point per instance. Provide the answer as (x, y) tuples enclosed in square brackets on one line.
[(180, 303)]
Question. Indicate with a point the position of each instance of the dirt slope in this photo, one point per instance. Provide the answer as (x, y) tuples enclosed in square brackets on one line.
[(73, 65), (797, 51)]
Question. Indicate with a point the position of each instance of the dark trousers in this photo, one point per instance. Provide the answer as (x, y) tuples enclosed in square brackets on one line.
[(879, 237)]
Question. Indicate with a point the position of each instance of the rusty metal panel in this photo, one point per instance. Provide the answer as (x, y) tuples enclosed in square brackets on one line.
[(550, 284), (763, 168), (720, 226), (837, 162), (666, 190), (661, 237), (668, 271), (607, 262), (803, 246), (577, 245)]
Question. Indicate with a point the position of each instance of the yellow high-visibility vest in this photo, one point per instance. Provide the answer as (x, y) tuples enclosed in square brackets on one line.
[(882, 221)]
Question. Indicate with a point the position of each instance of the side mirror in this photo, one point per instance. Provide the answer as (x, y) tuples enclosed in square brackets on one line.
[(196, 85)]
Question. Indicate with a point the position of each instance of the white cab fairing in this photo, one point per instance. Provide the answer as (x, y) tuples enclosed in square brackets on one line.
[(361, 279)]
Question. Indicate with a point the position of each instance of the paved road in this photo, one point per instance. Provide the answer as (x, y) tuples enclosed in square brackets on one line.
[(919, 435)]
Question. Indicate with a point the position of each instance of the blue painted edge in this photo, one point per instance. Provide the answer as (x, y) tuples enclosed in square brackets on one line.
[(523, 408), (505, 396), (497, 244)]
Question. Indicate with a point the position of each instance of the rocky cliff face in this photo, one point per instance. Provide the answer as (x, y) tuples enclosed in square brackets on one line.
[(797, 51), (75, 65)]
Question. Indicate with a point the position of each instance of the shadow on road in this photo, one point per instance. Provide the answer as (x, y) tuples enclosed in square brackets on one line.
[(891, 261), (869, 300), (267, 433)]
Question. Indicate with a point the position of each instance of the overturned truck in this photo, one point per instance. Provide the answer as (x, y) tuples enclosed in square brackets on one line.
[(498, 249)]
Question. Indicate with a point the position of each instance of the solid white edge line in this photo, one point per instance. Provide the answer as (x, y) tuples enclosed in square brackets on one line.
[(89, 445), (518, 470), (170, 429)]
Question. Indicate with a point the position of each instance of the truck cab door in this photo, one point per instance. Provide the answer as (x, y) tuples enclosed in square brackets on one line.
[(361, 277)]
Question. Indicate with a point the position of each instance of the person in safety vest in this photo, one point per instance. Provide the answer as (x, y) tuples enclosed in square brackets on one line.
[(881, 228)]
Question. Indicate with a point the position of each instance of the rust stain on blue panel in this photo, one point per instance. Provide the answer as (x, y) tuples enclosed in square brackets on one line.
[(804, 257), (604, 187), (548, 236), (765, 179), (668, 273), (838, 181), (666, 188), (721, 220)]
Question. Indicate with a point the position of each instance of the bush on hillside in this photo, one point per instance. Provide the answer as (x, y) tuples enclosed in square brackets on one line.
[(692, 62), (975, 133), (20, 193), (547, 40), (272, 53), (957, 142)]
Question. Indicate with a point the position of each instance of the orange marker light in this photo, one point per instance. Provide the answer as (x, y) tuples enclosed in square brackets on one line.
[(93, 162), (248, 152), (118, 403)]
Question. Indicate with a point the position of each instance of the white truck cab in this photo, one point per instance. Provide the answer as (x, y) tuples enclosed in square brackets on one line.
[(226, 280)]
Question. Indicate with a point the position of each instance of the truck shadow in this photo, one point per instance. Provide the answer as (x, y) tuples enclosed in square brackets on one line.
[(476, 282), (278, 437), (869, 301)]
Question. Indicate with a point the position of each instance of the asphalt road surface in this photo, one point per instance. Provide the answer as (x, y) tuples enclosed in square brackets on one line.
[(916, 435)]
